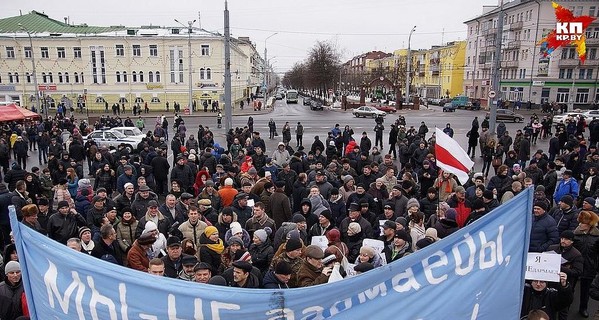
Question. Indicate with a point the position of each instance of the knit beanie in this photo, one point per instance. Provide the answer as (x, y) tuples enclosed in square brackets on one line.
[(210, 231)]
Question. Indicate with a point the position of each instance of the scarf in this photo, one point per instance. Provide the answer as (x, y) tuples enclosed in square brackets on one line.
[(447, 185), (218, 247)]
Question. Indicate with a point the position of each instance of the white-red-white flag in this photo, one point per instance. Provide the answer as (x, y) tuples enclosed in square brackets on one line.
[(451, 157)]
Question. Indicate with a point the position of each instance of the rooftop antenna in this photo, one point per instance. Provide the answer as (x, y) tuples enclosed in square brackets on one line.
[(200, 20)]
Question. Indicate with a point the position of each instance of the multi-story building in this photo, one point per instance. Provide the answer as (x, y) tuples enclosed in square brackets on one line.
[(357, 71), (117, 64), (439, 71), (527, 74)]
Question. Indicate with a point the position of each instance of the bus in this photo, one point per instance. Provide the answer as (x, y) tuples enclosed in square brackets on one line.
[(292, 96)]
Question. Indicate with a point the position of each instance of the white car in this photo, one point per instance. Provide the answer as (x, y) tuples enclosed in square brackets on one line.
[(367, 111), (130, 132), (591, 114), (560, 118), (113, 138)]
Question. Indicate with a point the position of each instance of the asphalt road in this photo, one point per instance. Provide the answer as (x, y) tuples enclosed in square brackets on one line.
[(320, 122)]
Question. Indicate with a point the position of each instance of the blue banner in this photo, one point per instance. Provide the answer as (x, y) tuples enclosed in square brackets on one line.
[(476, 273)]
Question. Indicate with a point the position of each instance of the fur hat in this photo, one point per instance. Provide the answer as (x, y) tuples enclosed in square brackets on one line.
[(431, 233), (369, 251), (412, 202), (588, 217), (31, 210), (283, 267)]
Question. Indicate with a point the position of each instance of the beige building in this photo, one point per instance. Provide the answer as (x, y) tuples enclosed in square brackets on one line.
[(128, 65), (527, 74)]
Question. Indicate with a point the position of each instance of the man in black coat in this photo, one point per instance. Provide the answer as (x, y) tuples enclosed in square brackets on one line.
[(20, 147), (160, 169), (107, 248), (77, 151), (182, 173), (173, 259)]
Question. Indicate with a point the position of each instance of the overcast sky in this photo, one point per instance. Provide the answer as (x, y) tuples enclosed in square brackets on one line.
[(355, 26)]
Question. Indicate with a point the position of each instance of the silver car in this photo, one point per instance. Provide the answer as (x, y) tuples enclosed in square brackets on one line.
[(366, 111), (113, 138), (130, 132)]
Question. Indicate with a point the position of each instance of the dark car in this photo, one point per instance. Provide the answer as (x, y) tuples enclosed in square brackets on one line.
[(505, 114), (307, 101), (315, 105), (448, 107)]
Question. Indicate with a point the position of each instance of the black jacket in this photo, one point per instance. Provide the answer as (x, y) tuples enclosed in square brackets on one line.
[(63, 227)]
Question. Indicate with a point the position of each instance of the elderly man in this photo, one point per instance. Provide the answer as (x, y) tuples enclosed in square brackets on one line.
[(279, 277), (311, 271), (154, 215), (173, 259), (126, 177), (188, 273), (137, 257), (125, 199), (355, 216), (139, 206)]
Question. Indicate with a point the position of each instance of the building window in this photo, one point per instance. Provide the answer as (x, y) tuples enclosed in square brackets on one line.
[(208, 74), (16, 77), (44, 78), (118, 77), (98, 64), (139, 100), (61, 53), (565, 73), (45, 53), (77, 52), (589, 74), (136, 50), (153, 50), (176, 65), (50, 77), (60, 77), (27, 52), (582, 95), (150, 76), (124, 76), (28, 77), (141, 76), (76, 75), (597, 95), (10, 52), (133, 76), (10, 78), (100, 99), (66, 77), (123, 100), (205, 49), (202, 74), (563, 95), (120, 50), (155, 100), (157, 76)]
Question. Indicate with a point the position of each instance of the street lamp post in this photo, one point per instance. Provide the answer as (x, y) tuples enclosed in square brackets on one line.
[(266, 68), (190, 102), (409, 65), (36, 89)]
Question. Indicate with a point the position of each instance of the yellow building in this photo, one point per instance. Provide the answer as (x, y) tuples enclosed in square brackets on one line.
[(439, 71), (118, 64)]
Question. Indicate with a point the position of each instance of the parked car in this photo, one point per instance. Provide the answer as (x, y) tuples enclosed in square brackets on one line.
[(307, 101), (449, 107), (560, 118), (113, 138), (131, 132), (509, 115), (386, 108), (460, 101), (367, 111), (591, 114), (315, 105), (279, 96)]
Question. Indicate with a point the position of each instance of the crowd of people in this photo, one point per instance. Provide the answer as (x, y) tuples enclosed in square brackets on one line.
[(239, 215)]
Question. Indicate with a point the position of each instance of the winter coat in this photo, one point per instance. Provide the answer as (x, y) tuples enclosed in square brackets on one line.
[(12, 295), (262, 255), (193, 232), (549, 300), (566, 187), (82, 204), (63, 227), (566, 220), (586, 244), (574, 261), (308, 275), (163, 225), (125, 233), (272, 282), (280, 207), (445, 227), (139, 206), (137, 258), (543, 233), (207, 255)]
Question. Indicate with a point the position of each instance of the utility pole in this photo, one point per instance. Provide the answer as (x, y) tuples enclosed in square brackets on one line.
[(496, 72), (409, 66), (36, 89), (228, 105)]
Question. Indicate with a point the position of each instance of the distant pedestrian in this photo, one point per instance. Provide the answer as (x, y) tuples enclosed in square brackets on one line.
[(299, 134)]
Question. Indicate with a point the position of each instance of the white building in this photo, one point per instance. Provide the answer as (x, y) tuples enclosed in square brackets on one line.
[(128, 65), (526, 74)]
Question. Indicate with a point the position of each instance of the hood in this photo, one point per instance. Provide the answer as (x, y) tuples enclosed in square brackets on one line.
[(308, 202), (220, 218)]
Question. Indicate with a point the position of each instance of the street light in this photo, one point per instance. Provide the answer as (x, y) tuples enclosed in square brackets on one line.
[(266, 67), (409, 64), (36, 89), (190, 69)]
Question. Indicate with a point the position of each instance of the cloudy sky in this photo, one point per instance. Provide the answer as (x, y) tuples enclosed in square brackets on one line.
[(355, 26)]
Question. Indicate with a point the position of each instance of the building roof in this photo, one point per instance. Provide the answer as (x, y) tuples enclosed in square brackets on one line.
[(36, 22), (494, 12)]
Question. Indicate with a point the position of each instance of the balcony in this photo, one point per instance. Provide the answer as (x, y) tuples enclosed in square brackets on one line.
[(488, 49), (592, 41), (568, 62), (489, 31), (594, 62), (509, 64), (487, 65), (514, 44), (516, 26)]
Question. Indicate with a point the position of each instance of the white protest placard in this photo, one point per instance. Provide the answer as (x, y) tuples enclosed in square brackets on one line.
[(251, 203), (350, 272), (543, 266), (381, 223), (320, 241), (377, 245)]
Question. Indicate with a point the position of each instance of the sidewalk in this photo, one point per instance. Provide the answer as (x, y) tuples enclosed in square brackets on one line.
[(200, 113)]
